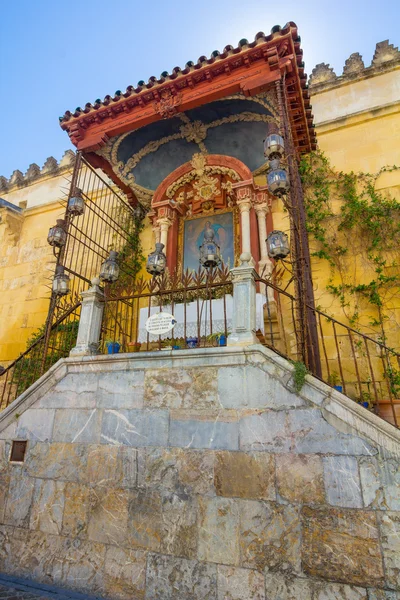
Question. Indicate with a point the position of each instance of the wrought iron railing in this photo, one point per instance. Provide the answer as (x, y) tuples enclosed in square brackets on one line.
[(360, 366), (35, 361), (200, 302)]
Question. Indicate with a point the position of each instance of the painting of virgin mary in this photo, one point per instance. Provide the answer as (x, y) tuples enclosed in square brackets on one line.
[(194, 230)]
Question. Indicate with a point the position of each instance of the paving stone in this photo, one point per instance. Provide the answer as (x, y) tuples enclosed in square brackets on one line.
[(240, 584), (300, 478), (47, 506), (390, 540), (108, 516), (245, 475), (280, 587), (77, 425), (35, 424), (76, 510), (181, 388), (269, 536), (19, 500), (249, 386), (342, 481), (122, 389), (177, 470), (171, 578), (219, 530), (66, 462), (135, 427), (342, 544), (218, 433), (124, 573)]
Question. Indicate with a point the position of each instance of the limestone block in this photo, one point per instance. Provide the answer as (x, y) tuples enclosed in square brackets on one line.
[(219, 530), (312, 434), (128, 458), (181, 388), (35, 424), (264, 431), (80, 566), (108, 516), (104, 467), (73, 391), (66, 462), (269, 536), (300, 478), (250, 386), (47, 506), (237, 584), (145, 520), (4, 483), (332, 591), (177, 470), (218, 432), (380, 481), (342, 481), (390, 539), (9, 433), (171, 578), (4, 453), (245, 475), (179, 525), (135, 427), (19, 500), (122, 389), (77, 426), (342, 544), (76, 510), (280, 587), (124, 574), (383, 595)]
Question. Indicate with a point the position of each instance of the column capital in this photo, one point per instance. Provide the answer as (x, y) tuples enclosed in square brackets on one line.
[(164, 223), (244, 205), (261, 209)]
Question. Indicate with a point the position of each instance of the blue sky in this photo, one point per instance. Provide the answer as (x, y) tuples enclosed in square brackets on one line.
[(55, 56)]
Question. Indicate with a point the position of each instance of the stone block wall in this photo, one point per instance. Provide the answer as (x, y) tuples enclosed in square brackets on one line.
[(199, 475)]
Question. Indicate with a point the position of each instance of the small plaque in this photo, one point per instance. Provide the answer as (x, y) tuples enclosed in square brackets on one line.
[(159, 323)]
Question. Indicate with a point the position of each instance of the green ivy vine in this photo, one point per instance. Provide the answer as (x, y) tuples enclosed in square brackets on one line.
[(355, 228)]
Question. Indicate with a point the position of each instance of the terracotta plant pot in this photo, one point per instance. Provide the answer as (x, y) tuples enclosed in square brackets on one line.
[(134, 346), (385, 411)]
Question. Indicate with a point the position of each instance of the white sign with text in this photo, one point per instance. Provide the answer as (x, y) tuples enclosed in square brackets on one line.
[(160, 323)]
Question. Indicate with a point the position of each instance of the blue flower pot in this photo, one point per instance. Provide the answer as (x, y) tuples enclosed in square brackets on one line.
[(176, 347), (222, 340), (339, 388), (191, 342), (113, 348)]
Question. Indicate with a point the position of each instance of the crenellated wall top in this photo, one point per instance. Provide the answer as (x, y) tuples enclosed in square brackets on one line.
[(385, 58), (51, 167)]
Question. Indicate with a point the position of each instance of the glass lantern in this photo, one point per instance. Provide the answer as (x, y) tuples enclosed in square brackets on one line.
[(210, 253), (60, 282), (57, 235), (156, 261), (76, 204), (138, 212), (274, 146), (277, 179), (109, 271), (277, 245)]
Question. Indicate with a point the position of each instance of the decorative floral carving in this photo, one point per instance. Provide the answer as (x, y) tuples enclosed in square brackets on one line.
[(168, 105), (194, 132)]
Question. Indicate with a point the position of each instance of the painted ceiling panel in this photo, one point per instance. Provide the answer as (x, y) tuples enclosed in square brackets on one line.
[(240, 140)]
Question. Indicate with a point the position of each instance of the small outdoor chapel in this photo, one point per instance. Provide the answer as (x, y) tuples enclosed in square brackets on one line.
[(188, 424)]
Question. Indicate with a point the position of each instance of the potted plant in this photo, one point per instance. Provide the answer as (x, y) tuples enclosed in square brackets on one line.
[(113, 346), (334, 381), (134, 346), (218, 338)]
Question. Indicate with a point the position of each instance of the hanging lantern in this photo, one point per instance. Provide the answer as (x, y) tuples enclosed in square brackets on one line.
[(210, 253), (274, 146), (156, 261), (76, 204), (277, 245), (109, 271), (60, 282), (138, 212), (57, 235), (277, 179)]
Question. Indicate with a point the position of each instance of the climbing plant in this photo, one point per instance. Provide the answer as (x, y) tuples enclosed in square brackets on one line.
[(355, 228)]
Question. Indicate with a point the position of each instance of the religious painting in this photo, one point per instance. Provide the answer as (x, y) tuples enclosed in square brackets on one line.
[(193, 236)]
